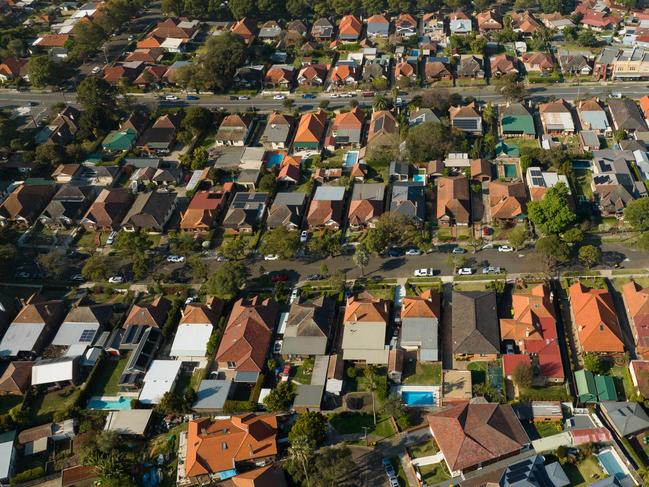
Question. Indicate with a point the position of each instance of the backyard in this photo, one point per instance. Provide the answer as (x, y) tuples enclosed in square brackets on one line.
[(548, 428), (60, 401), (623, 382), (584, 472), (423, 373), (434, 473), (105, 381), (354, 423), (303, 372), (425, 449)]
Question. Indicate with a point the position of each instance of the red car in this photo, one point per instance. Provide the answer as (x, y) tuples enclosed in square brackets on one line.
[(286, 372), (279, 278)]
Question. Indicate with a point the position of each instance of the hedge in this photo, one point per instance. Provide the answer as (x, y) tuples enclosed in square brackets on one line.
[(32, 473), (231, 407)]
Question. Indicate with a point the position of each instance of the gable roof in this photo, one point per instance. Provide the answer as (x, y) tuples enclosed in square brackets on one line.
[(425, 306), (628, 418), (17, 377), (508, 199), (366, 309), (636, 300), (453, 198), (475, 323), (350, 26), (311, 127), (151, 314)]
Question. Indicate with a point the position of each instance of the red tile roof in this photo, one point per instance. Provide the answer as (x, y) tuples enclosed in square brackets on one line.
[(510, 362)]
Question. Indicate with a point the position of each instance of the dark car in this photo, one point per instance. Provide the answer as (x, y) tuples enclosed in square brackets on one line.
[(191, 97), (309, 96), (394, 252), (279, 278), (313, 277)]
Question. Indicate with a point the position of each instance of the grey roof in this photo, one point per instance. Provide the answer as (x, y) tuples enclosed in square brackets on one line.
[(628, 418), (129, 421), (607, 482), (287, 210), (290, 198), (378, 28), (249, 176), (475, 327), (7, 454), (247, 377), (368, 191), (246, 208), (329, 193), (73, 333), (308, 395), (423, 115), (408, 200), (531, 472), (590, 139), (422, 332), (626, 114), (556, 475), (20, 337), (308, 327), (399, 169), (150, 210), (141, 162), (276, 132), (212, 394)]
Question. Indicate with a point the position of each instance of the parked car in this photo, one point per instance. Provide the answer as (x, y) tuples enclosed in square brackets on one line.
[(334, 95), (389, 469), (424, 272), (190, 300), (491, 270), (465, 271), (286, 372), (279, 97), (22, 275), (294, 295), (509, 349), (271, 257), (488, 245), (244, 97), (309, 96), (111, 237), (277, 346), (191, 98), (395, 252), (77, 277), (505, 248), (347, 95), (96, 70), (171, 98), (304, 236), (279, 278), (458, 250), (413, 251), (313, 277), (115, 279), (176, 258)]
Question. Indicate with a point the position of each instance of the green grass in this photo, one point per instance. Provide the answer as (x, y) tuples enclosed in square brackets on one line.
[(584, 177), (350, 423), (434, 473), (63, 400), (623, 382), (470, 82), (426, 374), (548, 428), (401, 474), (478, 372), (521, 142), (584, 473), (86, 239), (304, 371), (9, 401), (105, 382), (470, 286), (548, 393), (425, 449)]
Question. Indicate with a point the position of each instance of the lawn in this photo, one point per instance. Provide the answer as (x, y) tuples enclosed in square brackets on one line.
[(548, 428), (623, 382), (349, 423), (584, 177), (304, 371), (105, 381), (63, 400), (88, 239), (522, 142), (548, 393), (584, 473), (426, 374), (425, 449), (434, 473), (478, 372), (401, 475), (470, 286)]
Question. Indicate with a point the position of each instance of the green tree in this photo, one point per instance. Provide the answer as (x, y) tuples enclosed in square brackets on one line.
[(281, 242), (511, 88), (300, 453), (518, 236), (52, 154), (88, 36), (280, 398), (552, 215), (594, 363), (380, 102), (324, 243), (234, 248), (636, 214), (312, 425), (361, 258), (42, 71), (227, 279), (97, 267), (432, 140), (586, 38), (573, 236), (98, 100), (224, 54), (132, 242), (589, 255), (173, 7), (242, 8), (197, 120), (198, 267), (54, 263), (643, 241), (200, 158), (268, 183), (393, 406), (553, 249), (522, 376)]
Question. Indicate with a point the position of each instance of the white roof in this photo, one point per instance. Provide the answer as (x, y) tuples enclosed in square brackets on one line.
[(195, 179), (54, 370), (76, 350), (191, 340), (171, 43), (128, 421), (262, 394), (558, 120), (283, 319), (6, 454), (20, 337), (159, 379)]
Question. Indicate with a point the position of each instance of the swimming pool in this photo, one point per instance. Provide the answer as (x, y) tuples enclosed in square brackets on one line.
[(510, 171), (350, 158), (109, 403), (611, 464), (581, 164), (419, 178), (418, 398), (274, 159)]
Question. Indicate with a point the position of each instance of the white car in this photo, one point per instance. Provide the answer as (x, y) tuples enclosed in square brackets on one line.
[(464, 271), (171, 98), (424, 272), (491, 270), (116, 280), (244, 97), (413, 252), (96, 70), (399, 101), (111, 238), (176, 258), (458, 250), (294, 295), (271, 257), (279, 97), (346, 95), (334, 95), (190, 299), (304, 236), (505, 248)]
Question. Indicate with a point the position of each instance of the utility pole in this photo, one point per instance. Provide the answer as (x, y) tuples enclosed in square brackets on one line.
[(365, 428)]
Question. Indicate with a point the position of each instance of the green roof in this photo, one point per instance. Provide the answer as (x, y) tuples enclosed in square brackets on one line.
[(508, 150), (586, 387), (119, 140), (518, 124), (605, 388)]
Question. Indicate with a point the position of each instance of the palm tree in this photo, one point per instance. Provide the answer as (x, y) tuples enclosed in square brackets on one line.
[(380, 102), (301, 450)]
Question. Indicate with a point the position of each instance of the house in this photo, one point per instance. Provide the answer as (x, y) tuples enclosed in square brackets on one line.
[(296, 27), (150, 212), (639, 370), (556, 118), (345, 74), (472, 435), (248, 77), (524, 23), (212, 395), (25, 203), (594, 388), (365, 325), (123, 71), (598, 21), (108, 210), (312, 74), (636, 301), (538, 182), (119, 140), (408, 199), (40, 439), (13, 68), (502, 65), (470, 66), (433, 26), (399, 171), (65, 173), (436, 69), (507, 200), (159, 379), (197, 321), (310, 132), (219, 448), (68, 206), (204, 211), (644, 106), (626, 115), (517, 121), (234, 130), (453, 201), (459, 23), (81, 327), (349, 28), (376, 69), (489, 21), (270, 32), (32, 328), (8, 455), (530, 470), (322, 30), (287, 210), (366, 205), (161, 136), (420, 317), (143, 345), (246, 212), (280, 77), (277, 132), (62, 130), (404, 73), (309, 327), (17, 378), (422, 115), (537, 62), (57, 372), (378, 26), (627, 418), (593, 116), (595, 318), (576, 64), (150, 55), (613, 184), (246, 29), (383, 132), (406, 25), (466, 118), (346, 129), (129, 422), (241, 356), (475, 330), (326, 208), (140, 319), (290, 171), (50, 41)]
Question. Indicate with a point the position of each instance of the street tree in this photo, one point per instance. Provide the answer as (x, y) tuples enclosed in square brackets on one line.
[(311, 424), (517, 237), (197, 120), (234, 248), (98, 100), (97, 267), (224, 54), (361, 258), (553, 249), (552, 215), (589, 255), (227, 279), (381, 102), (281, 242), (512, 88), (636, 214), (573, 236), (42, 71)]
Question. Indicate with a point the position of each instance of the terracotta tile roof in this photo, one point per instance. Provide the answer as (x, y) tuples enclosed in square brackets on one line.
[(289, 172), (636, 299), (489, 19), (453, 198), (152, 314), (17, 377), (366, 309), (149, 42), (349, 120), (313, 71), (12, 66), (407, 20), (404, 69), (469, 434), (268, 476), (322, 212), (52, 40), (541, 59), (599, 19), (533, 317), (341, 72), (363, 211), (218, 445), (644, 105), (245, 27), (203, 210), (458, 14), (596, 319), (425, 306), (468, 111), (169, 29), (593, 105), (377, 19), (350, 25), (557, 106), (507, 200), (503, 64), (277, 75), (640, 369), (150, 55), (199, 313), (358, 170), (510, 362), (311, 127)]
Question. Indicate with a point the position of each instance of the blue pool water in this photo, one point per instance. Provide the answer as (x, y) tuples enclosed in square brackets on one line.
[(275, 159), (418, 398), (611, 465), (419, 178), (581, 165), (120, 404), (350, 158)]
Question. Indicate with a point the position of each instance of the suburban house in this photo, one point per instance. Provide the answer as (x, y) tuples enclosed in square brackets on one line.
[(17, 378), (119, 140), (639, 371), (12, 68), (453, 201), (310, 132), (345, 74), (349, 28), (32, 329), (270, 32), (81, 327), (280, 77), (140, 319), (575, 64), (277, 132), (383, 132), (322, 30), (366, 205), (420, 317), (626, 115), (628, 418), (220, 448), (532, 331), (538, 182), (287, 210), (309, 327), (150, 212), (466, 118), (247, 77), (161, 136), (62, 129), (470, 66), (246, 212), (406, 25), (473, 435), (502, 65), (593, 116), (460, 23), (436, 69), (556, 118), (593, 388), (108, 210), (24, 204), (346, 129), (364, 330), (475, 332), (378, 26), (197, 321), (234, 130), (537, 62), (312, 74), (241, 356), (68, 206), (595, 318), (422, 115), (613, 183), (489, 21), (408, 199), (507, 200), (290, 171), (433, 26), (525, 23), (636, 301), (326, 208), (246, 29), (204, 210), (404, 73), (517, 121), (376, 70)]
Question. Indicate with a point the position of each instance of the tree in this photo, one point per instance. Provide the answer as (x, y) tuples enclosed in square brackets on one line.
[(98, 100), (643, 241), (242, 8), (636, 214), (301, 452), (52, 154), (522, 376), (393, 406), (88, 36), (380, 102), (234, 248), (297, 9), (228, 278), (432, 140), (198, 267), (173, 402), (590, 256), (172, 7), (552, 215), (42, 71), (280, 398), (517, 236), (551, 6), (224, 54), (288, 104), (594, 363), (54, 263), (586, 38), (268, 183), (281, 242), (312, 425), (197, 120), (361, 257), (573, 236), (132, 242), (553, 249), (97, 267), (511, 88), (324, 243)]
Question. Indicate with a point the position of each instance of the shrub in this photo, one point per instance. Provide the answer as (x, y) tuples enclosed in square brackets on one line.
[(231, 407), (32, 473)]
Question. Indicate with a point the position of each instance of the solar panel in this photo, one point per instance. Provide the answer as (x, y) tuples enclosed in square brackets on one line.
[(87, 335), (538, 181), (466, 124)]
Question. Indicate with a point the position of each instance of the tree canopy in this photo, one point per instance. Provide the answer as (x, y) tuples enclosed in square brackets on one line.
[(432, 140), (636, 214), (552, 215), (311, 424), (227, 279)]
